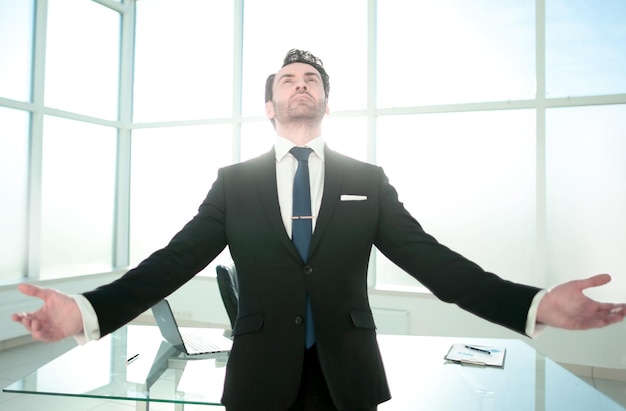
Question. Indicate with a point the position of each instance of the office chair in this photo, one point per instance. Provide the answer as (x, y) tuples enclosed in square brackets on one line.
[(229, 290)]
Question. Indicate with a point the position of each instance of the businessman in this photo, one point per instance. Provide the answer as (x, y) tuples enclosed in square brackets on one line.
[(300, 222)]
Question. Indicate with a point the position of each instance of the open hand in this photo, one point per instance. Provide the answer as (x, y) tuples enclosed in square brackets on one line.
[(58, 318), (565, 306)]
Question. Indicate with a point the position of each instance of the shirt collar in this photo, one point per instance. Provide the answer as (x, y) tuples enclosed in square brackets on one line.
[(283, 145)]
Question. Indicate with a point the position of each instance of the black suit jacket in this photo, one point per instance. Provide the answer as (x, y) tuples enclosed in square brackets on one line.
[(242, 211)]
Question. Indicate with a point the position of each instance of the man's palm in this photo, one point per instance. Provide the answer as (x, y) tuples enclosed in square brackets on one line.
[(58, 318), (566, 306)]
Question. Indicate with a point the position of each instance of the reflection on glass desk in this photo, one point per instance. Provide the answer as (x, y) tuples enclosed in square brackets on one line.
[(419, 377), (102, 369)]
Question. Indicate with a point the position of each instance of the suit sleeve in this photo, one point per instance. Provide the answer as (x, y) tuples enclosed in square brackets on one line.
[(447, 274), (167, 269)]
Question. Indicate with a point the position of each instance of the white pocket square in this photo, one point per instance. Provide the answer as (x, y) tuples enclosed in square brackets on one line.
[(352, 197)]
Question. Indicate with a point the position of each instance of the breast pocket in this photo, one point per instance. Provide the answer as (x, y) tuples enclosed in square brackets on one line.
[(248, 324), (363, 319)]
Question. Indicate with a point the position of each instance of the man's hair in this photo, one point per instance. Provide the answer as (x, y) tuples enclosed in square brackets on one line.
[(298, 56)]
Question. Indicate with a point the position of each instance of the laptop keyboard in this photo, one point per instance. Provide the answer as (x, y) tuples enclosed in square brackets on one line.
[(196, 343)]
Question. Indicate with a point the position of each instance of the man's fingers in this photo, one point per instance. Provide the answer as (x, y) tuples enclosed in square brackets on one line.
[(619, 309), (596, 280), (611, 308), (31, 290), (17, 317), (34, 326), (23, 319), (36, 331)]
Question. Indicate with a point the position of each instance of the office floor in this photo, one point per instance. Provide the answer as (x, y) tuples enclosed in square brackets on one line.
[(23, 360)]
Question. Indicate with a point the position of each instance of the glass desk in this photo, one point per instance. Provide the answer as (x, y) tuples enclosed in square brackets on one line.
[(418, 376)]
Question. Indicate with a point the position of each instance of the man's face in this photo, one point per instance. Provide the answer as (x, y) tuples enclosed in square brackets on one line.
[(298, 95)]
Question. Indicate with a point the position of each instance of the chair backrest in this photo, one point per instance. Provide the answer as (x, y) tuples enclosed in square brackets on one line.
[(229, 289)]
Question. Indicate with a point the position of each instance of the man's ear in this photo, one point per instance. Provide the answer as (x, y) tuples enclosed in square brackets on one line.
[(269, 110), (327, 107)]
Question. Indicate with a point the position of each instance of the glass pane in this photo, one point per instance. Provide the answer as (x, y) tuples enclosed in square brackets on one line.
[(347, 135), (274, 27), (469, 179), (82, 58), (13, 183), (256, 138), (78, 196), (454, 51), (183, 68), (16, 48), (586, 187), (585, 47), (172, 171)]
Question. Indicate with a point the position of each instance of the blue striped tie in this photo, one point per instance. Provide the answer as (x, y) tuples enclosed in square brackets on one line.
[(302, 223)]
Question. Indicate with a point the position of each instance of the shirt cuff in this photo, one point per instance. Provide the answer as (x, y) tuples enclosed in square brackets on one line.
[(91, 327), (533, 328)]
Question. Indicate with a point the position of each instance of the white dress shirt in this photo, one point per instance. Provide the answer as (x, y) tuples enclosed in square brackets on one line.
[(286, 165)]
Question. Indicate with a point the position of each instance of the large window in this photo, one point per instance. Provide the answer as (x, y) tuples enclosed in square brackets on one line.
[(59, 94), (499, 123)]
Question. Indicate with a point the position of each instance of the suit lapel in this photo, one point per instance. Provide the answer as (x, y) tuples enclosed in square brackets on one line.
[(268, 194), (333, 176)]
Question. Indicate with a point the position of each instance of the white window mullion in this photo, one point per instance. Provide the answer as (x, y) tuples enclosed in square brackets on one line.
[(237, 78), (121, 249), (540, 64), (371, 106), (33, 263)]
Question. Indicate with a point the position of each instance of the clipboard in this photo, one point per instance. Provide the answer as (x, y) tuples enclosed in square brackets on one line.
[(473, 354)]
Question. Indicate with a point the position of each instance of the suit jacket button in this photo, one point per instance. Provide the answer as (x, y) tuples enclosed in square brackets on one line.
[(299, 320), (308, 269)]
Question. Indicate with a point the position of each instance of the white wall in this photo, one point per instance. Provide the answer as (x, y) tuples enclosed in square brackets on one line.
[(199, 300)]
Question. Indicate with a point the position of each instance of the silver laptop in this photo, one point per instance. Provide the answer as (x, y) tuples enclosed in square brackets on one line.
[(191, 341)]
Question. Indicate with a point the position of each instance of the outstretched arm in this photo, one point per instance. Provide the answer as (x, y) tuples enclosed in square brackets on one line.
[(566, 306), (58, 318)]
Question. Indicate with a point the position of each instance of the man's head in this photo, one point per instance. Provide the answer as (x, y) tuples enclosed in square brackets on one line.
[(301, 72), (298, 56)]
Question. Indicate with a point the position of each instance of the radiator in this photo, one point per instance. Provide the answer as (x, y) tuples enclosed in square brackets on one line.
[(395, 322)]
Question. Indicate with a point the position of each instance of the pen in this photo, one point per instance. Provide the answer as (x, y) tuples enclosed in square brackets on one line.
[(469, 347), (131, 359)]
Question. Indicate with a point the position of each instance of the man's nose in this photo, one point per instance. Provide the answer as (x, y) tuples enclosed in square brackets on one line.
[(301, 85)]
